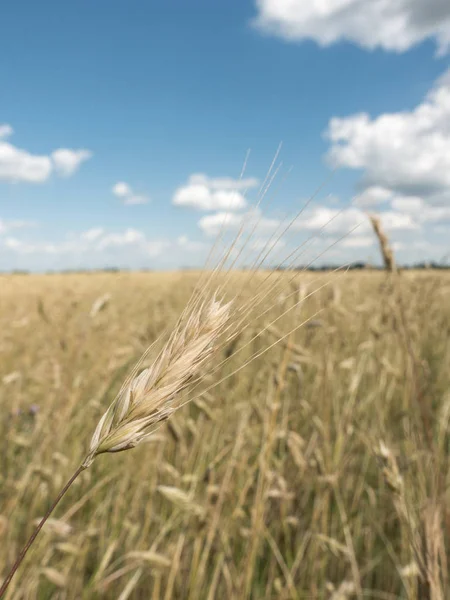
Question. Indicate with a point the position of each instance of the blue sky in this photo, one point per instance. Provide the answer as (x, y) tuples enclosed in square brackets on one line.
[(124, 127)]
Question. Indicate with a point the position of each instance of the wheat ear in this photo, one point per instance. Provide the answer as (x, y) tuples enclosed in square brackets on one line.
[(385, 247), (150, 397)]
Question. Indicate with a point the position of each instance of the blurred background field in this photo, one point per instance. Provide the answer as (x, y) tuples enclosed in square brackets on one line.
[(321, 470)]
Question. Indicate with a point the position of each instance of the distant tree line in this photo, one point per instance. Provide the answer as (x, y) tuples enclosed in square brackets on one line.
[(357, 266)]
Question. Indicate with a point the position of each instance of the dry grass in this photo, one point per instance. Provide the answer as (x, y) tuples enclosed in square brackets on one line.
[(319, 471), (385, 247)]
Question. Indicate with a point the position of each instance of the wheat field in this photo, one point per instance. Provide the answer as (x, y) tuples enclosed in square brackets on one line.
[(320, 470)]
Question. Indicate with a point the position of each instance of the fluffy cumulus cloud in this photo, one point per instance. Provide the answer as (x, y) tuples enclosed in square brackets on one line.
[(66, 161), (404, 158), (18, 165), (406, 152), (225, 221), (311, 236), (394, 221), (213, 224), (128, 237), (373, 195), (417, 209), (123, 191), (349, 228), (393, 25), (224, 183), (404, 161), (209, 194), (333, 221)]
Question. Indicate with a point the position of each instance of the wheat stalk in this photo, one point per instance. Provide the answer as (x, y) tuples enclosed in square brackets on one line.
[(150, 397), (385, 247)]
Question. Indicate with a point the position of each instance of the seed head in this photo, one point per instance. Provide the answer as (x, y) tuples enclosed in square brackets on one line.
[(151, 397)]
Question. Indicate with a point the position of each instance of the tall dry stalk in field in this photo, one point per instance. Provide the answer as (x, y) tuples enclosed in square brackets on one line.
[(428, 545), (385, 247)]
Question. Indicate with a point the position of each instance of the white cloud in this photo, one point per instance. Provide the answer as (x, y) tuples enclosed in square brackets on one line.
[(99, 248), (209, 194), (435, 214), (92, 240), (405, 152), (393, 25), (6, 226), (399, 246), (223, 183), (358, 241), (415, 211), (191, 245), (331, 220), (442, 229), (156, 247), (420, 210), (124, 191), (352, 223), (135, 238), (393, 221), (6, 130), (225, 221), (92, 234), (18, 165), (408, 204), (13, 243), (128, 237), (121, 189), (213, 224), (67, 162), (271, 244), (200, 197), (404, 158), (136, 199), (373, 195), (95, 241), (23, 247)]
